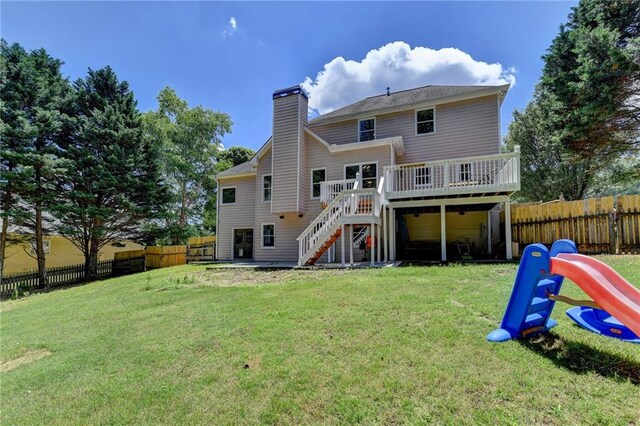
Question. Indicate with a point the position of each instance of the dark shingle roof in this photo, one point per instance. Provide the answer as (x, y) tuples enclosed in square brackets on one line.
[(240, 169), (403, 98)]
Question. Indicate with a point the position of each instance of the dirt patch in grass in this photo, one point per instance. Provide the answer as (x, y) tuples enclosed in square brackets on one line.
[(227, 277), (27, 358)]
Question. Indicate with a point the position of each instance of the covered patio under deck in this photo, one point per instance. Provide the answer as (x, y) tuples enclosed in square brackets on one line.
[(446, 229)]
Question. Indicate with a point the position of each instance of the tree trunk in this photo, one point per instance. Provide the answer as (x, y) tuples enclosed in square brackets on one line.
[(92, 274), (40, 255), (3, 236)]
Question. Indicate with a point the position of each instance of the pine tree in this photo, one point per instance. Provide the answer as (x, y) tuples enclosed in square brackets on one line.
[(110, 187), (33, 97)]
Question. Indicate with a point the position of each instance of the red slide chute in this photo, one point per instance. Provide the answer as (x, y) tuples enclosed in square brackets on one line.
[(604, 285)]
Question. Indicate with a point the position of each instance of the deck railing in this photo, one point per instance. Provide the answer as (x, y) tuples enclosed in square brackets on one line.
[(482, 174), (330, 189)]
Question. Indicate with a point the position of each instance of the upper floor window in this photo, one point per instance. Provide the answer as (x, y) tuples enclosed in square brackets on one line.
[(317, 177), (425, 121), (366, 129), (229, 195), (266, 188)]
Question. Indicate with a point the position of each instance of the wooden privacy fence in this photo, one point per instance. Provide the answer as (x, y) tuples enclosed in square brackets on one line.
[(164, 256), (201, 249), (67, 275), (597, 225)]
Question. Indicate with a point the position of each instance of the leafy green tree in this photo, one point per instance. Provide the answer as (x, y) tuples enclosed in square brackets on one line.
[(112, 184), (34, 94), (190, 139), (236, 155)]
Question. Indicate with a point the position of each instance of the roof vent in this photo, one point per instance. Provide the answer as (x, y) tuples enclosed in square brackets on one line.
[(388, 91)]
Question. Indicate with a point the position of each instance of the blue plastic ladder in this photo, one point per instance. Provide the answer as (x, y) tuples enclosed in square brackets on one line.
[(529, 309)]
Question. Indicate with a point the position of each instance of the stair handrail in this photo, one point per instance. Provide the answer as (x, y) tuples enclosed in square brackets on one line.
[(319, 218)]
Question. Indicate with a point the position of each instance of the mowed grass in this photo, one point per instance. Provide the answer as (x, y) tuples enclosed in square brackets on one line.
[(406, 345)]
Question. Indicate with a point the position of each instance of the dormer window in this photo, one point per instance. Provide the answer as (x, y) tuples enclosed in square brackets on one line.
[(366, 129), (425, 121)]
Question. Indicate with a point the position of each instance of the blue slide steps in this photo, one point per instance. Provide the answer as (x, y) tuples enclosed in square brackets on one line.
[(529, 310)]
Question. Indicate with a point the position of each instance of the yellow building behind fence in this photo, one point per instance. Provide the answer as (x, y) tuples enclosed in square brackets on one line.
[(59, 252)]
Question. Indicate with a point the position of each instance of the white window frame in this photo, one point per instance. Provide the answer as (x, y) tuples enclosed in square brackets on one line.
[(374, 128), (311, 181), (434, 121), (222, 188), (262, 225), (270, 188), (46, 246), (344, 170)]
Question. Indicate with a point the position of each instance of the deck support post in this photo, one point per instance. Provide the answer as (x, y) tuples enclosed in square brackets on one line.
[(379, 245), (342, 237), (507, 229), (392, 234), (443, 232), (351, 245), (489, 243), (385, 229), (372, 254)]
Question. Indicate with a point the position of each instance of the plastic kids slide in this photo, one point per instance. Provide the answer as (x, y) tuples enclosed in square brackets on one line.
[(614, 311)]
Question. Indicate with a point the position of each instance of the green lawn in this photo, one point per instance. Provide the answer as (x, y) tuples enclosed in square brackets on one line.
[(406, 345)]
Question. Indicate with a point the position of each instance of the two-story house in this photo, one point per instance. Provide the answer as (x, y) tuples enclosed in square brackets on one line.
[(414, 173)]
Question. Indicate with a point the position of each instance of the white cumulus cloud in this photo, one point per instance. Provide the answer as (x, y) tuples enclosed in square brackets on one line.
[(398, 66), (233, 23)]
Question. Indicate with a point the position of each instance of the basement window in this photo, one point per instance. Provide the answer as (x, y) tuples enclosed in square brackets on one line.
[(268, 235)]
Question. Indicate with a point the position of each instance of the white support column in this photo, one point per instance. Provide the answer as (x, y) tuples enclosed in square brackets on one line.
[(489, 231), (379, 245), (372, 253), (507, 229), (443, 232), (392, 234), (342, 237), (351, 244), (385, 229)]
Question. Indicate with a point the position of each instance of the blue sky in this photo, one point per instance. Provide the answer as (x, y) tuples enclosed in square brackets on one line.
[(234, 65)]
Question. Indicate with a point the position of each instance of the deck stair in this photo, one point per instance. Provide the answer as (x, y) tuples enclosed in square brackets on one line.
[(348, 208)]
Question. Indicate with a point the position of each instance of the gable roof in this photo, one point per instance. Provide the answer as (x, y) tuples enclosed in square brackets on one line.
[(242, 169), (409, 98)]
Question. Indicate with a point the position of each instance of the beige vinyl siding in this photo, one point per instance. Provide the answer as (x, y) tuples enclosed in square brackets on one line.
[(285, 154), (338, 133), (240, 215), (303, 176), (263, 212), (463, 129)]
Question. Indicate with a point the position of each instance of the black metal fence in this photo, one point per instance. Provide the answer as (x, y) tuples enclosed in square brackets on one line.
[(68, 275)]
